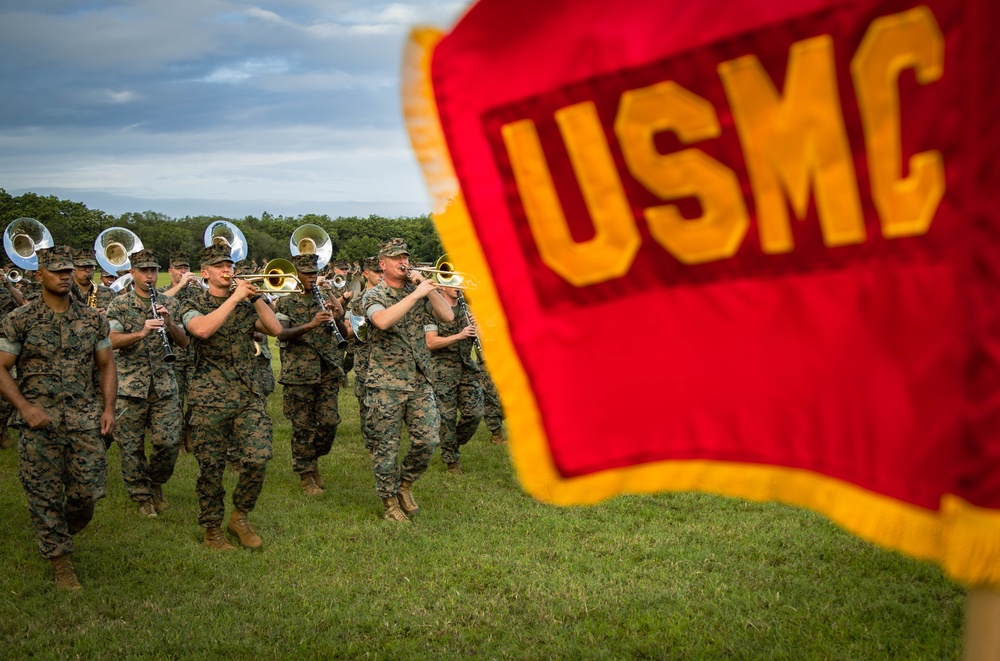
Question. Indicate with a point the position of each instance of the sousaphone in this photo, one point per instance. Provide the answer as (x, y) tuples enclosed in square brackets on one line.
[(22, 239)]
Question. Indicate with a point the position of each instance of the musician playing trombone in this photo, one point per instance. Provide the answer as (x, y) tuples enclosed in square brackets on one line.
[(225, 400), (147, 389), (310, 372), (398, 380)]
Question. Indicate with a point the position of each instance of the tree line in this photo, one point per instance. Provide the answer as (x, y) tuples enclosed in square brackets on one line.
[(73, 224)]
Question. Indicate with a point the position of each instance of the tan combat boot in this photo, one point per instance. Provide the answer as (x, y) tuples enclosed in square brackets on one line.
[(147, 508), (65, 576), (499, 437), (239, 526), (455, 468), (318, 479), (392, 512), (309, 485), (405, 497), (215, 540), (159, 502)]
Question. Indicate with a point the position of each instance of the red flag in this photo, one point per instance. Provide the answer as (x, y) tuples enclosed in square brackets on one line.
[(748, 249)]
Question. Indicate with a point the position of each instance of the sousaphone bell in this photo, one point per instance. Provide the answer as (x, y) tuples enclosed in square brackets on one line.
[(223, 232), (22, 239), (113, 247)]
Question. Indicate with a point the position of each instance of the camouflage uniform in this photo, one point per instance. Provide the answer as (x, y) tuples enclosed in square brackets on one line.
[(7, 304), (311, 376), (262, 365), (30, 288), (147, 398), (399, 390), (456, 386), (225, 401), (493, 411), (104, 295), (62, 467), (360, 375)]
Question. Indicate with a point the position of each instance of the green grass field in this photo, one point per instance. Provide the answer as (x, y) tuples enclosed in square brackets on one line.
[(484, 572)]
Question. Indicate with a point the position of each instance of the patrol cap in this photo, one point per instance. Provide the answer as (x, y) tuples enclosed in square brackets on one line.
[(371, 264), (214, 254), (342, 264), (180, 259), (306, 263), (56, 258), (393, 248), (105, 274), (144, 259), (243, 268), (84, 257)]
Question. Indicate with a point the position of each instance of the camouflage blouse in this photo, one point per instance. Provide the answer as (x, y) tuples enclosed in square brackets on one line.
[(141, 364), (55, 360), (313, 356), (223, 371), (104, 295), (398, 357), (454, 356)]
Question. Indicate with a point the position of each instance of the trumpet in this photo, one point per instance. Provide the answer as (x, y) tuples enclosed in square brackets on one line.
[(14, 276)]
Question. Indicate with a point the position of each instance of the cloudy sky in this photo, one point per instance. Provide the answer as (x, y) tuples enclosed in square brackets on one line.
[(197, 107)]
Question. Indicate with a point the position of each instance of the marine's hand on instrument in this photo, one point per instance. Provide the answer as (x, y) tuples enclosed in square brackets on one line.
[(467, 332), (244, 290), (36, 417), (188, 277), (151, 325), (321, 318), (425, 287), (163, 312)]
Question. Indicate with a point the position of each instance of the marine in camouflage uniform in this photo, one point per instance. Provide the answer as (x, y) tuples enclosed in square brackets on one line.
[(456, 379), (493, 410), (398, 379), (30, 288), (54, 342), (225, 401), (147, 389), (7, 304), (84, 264), (183, 284), (372, 275), (310, 374)]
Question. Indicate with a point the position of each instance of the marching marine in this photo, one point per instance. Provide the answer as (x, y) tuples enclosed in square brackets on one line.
[(55, 342)]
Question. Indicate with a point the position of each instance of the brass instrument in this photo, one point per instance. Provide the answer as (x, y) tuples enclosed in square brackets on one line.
[(339, 281), (278, 279), (445, 275), (121, 283), (14, 276), (311, 240), (223, 232), (22, 239), (113, 247), (92, 298), (168, 353)]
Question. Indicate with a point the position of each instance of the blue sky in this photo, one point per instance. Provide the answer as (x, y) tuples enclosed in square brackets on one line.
[(211, 106)]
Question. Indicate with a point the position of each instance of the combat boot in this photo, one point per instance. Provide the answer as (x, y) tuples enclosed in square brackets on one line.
[(65, 576), (215, 540), (455, 468), (499, 437), (159, 502), (309, 486), (392, 512), (5, 441), (147, 508), (405, 497), (318, 479), (239, 526)]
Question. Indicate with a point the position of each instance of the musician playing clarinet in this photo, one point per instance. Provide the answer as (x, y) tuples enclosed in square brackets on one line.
[(147, 389)]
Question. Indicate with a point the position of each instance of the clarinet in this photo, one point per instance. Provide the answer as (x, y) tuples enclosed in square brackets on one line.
[(332, 324), (168, 353), (477, 346)]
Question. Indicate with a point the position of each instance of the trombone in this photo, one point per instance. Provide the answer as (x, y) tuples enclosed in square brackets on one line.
[(278, 279), (445, 275)]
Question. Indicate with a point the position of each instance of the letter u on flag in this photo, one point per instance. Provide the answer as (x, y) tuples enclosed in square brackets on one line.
[(750, 249)]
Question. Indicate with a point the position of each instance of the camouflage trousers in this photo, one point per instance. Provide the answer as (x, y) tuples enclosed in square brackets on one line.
[(492, 411), (387, 411), (313, 411), (64, 474), (361, 392), (265, 373), (162, 416), (214, 431), (457, 391)]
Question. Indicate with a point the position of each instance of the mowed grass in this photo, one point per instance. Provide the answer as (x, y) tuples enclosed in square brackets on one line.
[(483, 572)]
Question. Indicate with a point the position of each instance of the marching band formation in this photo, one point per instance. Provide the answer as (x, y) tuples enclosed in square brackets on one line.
[(87, 364)]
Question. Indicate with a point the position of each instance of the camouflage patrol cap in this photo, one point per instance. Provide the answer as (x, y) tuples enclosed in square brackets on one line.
[(306, 263), (105, 274), (371, 264), (214, 254), (122, 272), (56, 258), (180, 259), (342, 264), (84, 257), (144, 259), (243, 268), (393, 248)]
